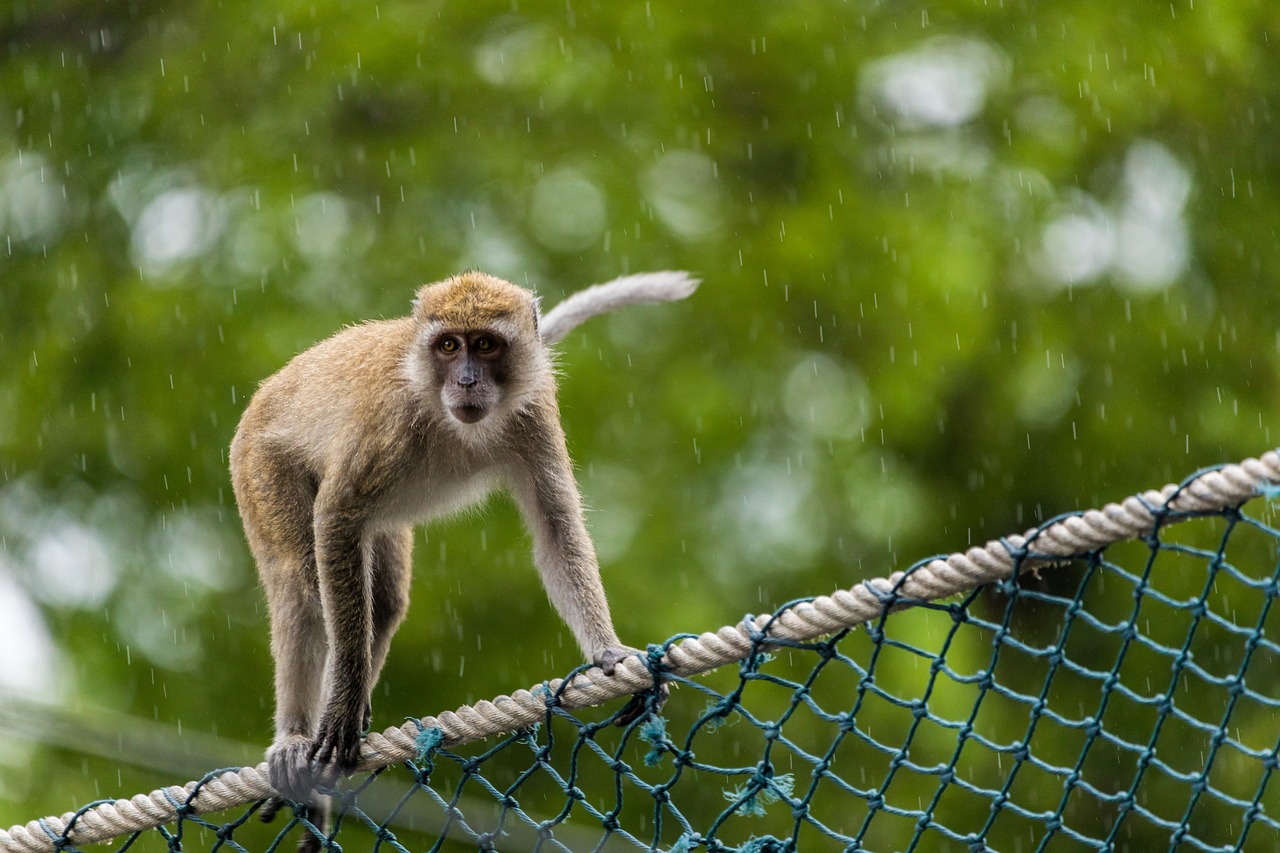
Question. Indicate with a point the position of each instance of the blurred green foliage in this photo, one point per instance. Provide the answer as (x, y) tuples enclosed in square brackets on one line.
[(966, 266)]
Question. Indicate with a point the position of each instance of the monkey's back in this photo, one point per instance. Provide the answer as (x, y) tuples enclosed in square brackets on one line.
[(331, 405), (325, 394)]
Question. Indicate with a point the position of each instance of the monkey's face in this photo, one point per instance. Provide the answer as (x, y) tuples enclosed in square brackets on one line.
[(472, 367)]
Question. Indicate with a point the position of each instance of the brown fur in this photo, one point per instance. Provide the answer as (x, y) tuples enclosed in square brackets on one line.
[(450, 305), (356, 439)]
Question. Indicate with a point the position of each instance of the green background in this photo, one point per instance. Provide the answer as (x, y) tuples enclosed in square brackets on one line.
[(966, 266)]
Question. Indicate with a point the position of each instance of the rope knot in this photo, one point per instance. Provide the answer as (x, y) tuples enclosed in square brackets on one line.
[(427, 742)]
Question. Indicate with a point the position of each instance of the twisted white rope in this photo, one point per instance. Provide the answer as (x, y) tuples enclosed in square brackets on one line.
[(1133, 518)]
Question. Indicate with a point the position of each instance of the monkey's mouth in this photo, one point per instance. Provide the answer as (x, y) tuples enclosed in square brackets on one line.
[(467, 413)]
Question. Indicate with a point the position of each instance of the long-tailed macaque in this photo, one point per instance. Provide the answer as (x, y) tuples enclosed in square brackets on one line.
[(386, 424)]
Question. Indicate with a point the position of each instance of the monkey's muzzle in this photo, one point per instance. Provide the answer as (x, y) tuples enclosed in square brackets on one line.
[(468, 414)]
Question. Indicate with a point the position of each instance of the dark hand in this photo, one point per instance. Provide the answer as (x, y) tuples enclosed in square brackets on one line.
[(608, 661), (336, 750)]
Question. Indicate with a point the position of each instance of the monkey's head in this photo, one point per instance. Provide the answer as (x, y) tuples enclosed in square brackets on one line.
[(478, 347)]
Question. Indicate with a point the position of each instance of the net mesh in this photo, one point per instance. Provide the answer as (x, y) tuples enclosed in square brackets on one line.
[(1123, 699)]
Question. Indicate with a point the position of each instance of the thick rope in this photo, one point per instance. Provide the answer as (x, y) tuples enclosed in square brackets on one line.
[(1133, 518)]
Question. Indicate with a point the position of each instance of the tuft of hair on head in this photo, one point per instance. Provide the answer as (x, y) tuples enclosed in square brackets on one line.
[(474, 298)]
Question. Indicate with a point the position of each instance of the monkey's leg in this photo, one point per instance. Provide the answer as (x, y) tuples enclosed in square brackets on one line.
[(297, 629), (297, 632), (389, 571), (297, 645), (389, 554), (348, 616)]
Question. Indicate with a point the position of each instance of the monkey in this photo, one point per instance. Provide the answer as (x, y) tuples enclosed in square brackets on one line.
[(390, 423)]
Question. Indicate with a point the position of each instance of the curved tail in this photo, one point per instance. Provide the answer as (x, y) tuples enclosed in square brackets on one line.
[(638, 289)]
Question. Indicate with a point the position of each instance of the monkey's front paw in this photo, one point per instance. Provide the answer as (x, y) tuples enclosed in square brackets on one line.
[(609, 659), (289, 768), (642, 703), (336, 750)]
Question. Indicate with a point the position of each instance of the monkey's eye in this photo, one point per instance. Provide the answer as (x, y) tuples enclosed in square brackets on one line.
[(485, 345), (449, 345)]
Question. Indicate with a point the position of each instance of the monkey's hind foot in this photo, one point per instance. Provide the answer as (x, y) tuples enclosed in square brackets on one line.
[(290, 770), (309, 842)]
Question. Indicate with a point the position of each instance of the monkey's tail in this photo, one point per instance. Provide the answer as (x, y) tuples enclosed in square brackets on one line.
[(638, 289)]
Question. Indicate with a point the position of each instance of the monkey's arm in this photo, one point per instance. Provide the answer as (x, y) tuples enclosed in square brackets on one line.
[(548, 497), (346, 599), (598, 299), (552, 506)]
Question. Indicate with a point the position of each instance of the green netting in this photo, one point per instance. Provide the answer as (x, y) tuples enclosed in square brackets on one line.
[(1124, 699)]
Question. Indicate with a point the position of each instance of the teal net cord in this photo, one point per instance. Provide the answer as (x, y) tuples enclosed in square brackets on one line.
[(1108, 681)]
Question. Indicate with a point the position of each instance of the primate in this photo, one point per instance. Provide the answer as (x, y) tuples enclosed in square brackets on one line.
[(384, 425)]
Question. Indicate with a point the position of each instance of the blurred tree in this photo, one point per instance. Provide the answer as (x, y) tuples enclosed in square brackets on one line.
[(967, 266)]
